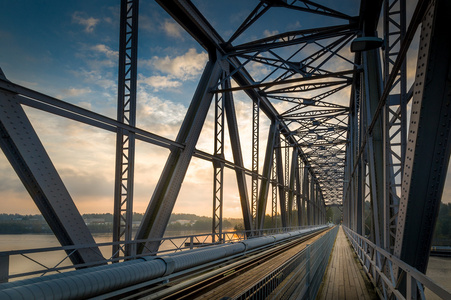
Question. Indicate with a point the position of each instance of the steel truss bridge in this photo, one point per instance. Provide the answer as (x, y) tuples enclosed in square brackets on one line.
[(347, 129)]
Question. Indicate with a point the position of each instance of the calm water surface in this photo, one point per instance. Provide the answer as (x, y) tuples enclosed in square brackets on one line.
[(20, 264)]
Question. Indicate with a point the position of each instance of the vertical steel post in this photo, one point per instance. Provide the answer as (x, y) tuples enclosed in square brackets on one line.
[(350, 161), (292, 184), (305, 196), (395, 117), (280, 171), (316, 203), (298, 191), (266, 175), (373, 86), (287, 181), (218, 169), (232, 124), (363, 178), (255, 144), (125, 140), (310, 201), (274, 191), (4, 268)]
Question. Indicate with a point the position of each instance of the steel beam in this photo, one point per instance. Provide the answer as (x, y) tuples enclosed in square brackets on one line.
[(125, 140), (267, 168), (255, 146), (218, 170), (292, 187), (287, 183), (394, 117), (163, 199), (299, 192), (28, 157), (274, 191), (428, 147), (279, 165), (235, 143), (373, 86), (309, 201), (305, 196)]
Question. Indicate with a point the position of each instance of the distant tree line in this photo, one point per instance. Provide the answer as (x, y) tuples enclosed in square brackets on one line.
[(442, 233), (35, 224), (102, 223)]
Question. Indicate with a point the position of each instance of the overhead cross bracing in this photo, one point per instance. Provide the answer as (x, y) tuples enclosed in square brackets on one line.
[(303, 78)]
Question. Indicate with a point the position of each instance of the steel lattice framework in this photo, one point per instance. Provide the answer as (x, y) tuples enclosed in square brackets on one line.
[(338, 132)]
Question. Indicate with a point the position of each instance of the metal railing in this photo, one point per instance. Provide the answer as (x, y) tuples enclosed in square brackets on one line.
[(301, 275), (50, 260), (382, 268)]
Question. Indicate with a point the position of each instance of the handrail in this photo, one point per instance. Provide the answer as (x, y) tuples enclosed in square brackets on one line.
[(167, 245), (90, 282), (382, 266)]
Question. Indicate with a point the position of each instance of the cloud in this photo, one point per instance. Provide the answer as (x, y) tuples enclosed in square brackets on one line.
[(88, 22), (161, 116), (159, 82), (96, 73), (257, 70), (268, 33), (111, 54), (172, 29), (175, 69), (184, 67), (294, 26), (73, 92), (97, 77)]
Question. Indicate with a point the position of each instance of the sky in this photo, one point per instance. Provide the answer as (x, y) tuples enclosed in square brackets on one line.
[(69, 50)]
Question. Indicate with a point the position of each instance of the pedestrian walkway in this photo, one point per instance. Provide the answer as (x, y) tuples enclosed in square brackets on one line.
[(345, 278)]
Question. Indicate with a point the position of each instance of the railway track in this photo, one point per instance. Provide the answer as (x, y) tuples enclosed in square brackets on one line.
[(202, 281)]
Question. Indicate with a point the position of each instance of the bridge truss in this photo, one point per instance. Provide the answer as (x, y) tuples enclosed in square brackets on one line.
[(338, 131)]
